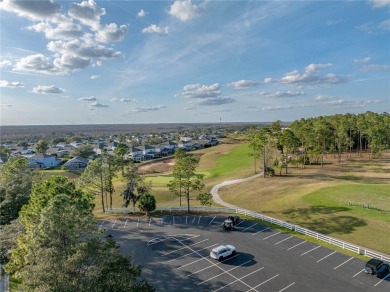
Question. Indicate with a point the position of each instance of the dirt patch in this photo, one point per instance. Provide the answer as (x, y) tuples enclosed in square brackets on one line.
[(157, 167)]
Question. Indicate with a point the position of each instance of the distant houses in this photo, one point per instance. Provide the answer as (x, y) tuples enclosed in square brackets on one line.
[(53, 156)]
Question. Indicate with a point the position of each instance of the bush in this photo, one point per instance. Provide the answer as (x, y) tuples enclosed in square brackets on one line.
[(270, 171)]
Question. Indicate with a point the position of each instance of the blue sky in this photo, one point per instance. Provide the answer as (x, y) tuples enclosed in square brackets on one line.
[(103, 62)]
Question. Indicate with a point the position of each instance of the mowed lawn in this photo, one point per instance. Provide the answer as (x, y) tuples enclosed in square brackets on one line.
[(219, 163), (328, 200)]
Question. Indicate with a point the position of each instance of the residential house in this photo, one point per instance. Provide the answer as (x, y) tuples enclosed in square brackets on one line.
[(76, 163), (43, 161), (170, 145), (76, 143)]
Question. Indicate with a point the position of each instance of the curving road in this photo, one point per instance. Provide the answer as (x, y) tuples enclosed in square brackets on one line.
[(214, 190)]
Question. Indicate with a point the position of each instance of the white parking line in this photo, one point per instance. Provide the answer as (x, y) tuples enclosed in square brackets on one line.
[(382, 280), (310, 250), (202, 258), (240, 222), (263, 282), (343, 263), (212, 265), (261, 230), (184, 247), (125, 223), (326, 256), (150, 220), (102, 224), (224, 272), (218, 266), (239, 279), (199, 219), (296, 245), (283, 240), (272, 235), (193, 251), (249, 227), (137, 222), (212, 220), (113, 224), (286, 287), (357, 273), (193, 220)]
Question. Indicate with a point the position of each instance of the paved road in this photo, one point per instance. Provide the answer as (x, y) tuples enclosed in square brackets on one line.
[(217, 198)]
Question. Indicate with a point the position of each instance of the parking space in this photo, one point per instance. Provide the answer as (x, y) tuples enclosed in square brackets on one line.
[(174, 251)]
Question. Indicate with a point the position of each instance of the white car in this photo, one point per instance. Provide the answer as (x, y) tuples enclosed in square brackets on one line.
[(222, 251)]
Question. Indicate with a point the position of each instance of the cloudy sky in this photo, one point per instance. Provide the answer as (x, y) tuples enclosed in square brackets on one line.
[(87, 62)]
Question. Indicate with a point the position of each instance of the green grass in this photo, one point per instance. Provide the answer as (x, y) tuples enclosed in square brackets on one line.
[(232, 162), (354, 196)]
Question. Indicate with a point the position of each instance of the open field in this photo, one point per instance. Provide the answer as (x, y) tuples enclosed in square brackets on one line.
[(328, 200)]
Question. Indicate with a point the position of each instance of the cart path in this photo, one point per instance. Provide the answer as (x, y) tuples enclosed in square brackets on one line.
[(214, 190)]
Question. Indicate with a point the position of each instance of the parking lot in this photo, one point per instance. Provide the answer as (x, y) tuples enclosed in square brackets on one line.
[(174, 252)]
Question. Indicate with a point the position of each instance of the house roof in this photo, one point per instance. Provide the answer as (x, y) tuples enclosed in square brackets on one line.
[(78, 158), (40, 156)]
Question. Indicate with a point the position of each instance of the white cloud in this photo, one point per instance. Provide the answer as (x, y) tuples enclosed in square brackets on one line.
[(48, 89), (272, 108), (127, 99), (142, 13), (380, 3), (215, 101), (111, 33), (87, 98), (156, 29), (280, 94), (362, 60), (185, 10), (313, 68), (200, 91), (243, 84), (115, 99), (222, 110), (70, 56), (320, 98), (138, 110), (65, 30), (41, 64), (5, 105), (333, 22), (4, 83), (190, 108), (88, 13), (93, 77), (385, 25), (97, 104), (375, 67), (5, 63), (36, 10), (36, 63), (310, 76), (82, 50), (368, 27)]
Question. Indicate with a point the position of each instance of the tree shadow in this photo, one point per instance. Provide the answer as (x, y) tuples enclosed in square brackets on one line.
[(325, 220)]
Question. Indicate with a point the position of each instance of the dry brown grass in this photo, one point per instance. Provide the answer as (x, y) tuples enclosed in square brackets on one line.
[(285, 198)]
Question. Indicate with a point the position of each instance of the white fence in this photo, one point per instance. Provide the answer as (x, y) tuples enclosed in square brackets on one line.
[(298, 229)]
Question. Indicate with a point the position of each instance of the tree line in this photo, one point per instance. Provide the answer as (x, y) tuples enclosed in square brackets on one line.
[(308, 140)]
